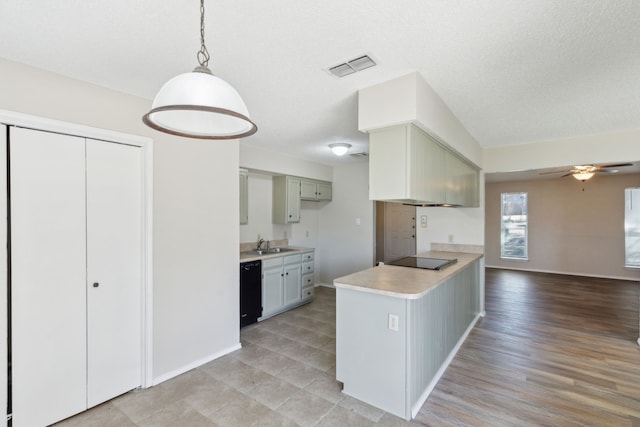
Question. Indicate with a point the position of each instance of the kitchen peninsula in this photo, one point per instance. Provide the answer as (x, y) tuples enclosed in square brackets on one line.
[(397, 328)]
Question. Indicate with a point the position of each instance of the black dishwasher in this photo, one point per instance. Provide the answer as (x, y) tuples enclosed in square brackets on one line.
[(250, 292)]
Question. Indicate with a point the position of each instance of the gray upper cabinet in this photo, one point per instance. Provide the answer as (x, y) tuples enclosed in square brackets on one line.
[(315, 190), (286, 200), (407, 165), (462, 182), (288, 191), (244, 196)]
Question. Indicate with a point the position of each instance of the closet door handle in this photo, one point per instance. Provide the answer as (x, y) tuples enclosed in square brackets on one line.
[(96, 284)]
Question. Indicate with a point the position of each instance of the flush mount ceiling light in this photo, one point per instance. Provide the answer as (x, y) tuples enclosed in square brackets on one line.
[(199, 104), (340, 148)]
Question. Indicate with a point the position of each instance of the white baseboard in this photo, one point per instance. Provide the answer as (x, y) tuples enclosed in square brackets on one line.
[(195, 364), (565, 273)]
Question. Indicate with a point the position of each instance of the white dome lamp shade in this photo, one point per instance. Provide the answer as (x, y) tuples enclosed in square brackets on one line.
[(340, 148), (199, 104)]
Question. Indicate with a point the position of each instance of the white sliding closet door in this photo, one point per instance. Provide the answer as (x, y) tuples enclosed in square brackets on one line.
[(48, 273), (114, 212), (76, 280)]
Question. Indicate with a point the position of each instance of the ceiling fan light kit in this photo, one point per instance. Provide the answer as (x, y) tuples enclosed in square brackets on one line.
[(199, 104), (585, 172)]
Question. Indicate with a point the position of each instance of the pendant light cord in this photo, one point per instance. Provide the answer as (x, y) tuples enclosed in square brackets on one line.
[(203, 53)]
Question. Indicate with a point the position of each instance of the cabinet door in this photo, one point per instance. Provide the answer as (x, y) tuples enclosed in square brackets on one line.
[(455, 169), (324, 191), (272, 296), (48, 276), (114, 278), (293, 200), (308, 190), (244, 197), (292, 283)]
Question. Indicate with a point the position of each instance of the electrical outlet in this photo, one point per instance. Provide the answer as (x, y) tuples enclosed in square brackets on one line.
[(450, 238), (423, 221), (393, 322)]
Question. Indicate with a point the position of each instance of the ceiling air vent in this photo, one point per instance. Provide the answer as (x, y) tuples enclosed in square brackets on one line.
[(359, 154), (358, 64)]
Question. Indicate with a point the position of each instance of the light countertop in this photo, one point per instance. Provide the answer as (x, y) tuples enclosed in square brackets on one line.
[(405, 282)]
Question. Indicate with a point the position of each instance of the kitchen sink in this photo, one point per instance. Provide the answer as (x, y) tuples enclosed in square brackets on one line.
[(268, 251)]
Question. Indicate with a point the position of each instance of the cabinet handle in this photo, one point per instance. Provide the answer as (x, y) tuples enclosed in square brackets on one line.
[(96, 284), (287, 273), (281, 275)]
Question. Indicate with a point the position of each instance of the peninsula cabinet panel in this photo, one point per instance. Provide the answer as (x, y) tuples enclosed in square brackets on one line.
[(76, 273), (395, 365)]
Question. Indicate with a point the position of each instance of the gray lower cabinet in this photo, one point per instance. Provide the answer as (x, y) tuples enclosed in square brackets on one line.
[(283, 284), (308, 277), (292, 281), (272, 286)]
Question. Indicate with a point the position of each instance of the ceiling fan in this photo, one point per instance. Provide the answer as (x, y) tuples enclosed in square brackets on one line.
[(584, 172)]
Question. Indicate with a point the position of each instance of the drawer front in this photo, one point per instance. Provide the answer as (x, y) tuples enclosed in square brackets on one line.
[(307, 281), (292, 259), (308, 292), (272, 262), (307, 267), (307, 257)]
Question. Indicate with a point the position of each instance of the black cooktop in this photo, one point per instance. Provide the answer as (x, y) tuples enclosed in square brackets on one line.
[(426, 263)]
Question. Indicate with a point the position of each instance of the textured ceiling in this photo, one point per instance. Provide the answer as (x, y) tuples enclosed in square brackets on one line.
[(512, 71)]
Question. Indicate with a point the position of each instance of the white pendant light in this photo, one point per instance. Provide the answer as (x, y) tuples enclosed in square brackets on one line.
[(199, 104), (340, 148)]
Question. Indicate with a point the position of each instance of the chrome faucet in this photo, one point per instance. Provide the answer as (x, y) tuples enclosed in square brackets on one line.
[(260, 242)]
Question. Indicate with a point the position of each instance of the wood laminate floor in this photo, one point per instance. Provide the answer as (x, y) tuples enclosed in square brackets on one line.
[(553, 350)]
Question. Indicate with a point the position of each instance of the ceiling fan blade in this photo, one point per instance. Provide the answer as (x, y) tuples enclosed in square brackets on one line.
[(618, 165), (567, 174), (545, 173), (609, 171)]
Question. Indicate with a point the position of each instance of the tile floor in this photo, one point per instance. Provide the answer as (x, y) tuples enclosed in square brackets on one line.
[(284, 375)]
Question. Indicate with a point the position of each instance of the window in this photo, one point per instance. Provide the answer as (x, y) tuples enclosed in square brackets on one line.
[(513, 226), (632, 227)]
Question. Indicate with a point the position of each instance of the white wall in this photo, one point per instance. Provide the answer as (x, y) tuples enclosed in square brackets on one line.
[(345, 246), (196, 291), (259, 159), (605, 148), (573, 228), (195, 214), (410, 99)]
